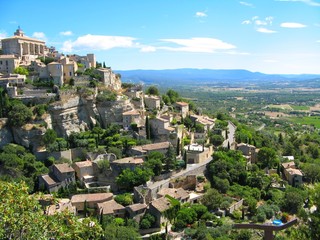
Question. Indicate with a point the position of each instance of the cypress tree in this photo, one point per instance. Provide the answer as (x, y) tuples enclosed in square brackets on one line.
[(148, 129)]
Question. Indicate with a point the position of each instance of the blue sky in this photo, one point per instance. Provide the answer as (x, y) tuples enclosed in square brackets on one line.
[(270, 36)]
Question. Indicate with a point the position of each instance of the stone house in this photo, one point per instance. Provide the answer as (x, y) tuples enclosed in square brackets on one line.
[(157, 207), (130, 117), (124, 163), (136, 211), (8, 63), (183, 107), (84, 170), (152, 102), (198, 153), (177, 193), (249, 151), (69, 68), (91, 199), (56, 71), (153, 147), (161, 128), (60, 175), (12, 80), (292, 174), (109, 78), (206, 121), (111, 208)]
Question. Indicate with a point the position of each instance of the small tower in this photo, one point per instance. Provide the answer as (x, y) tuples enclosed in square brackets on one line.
[(19, 32)]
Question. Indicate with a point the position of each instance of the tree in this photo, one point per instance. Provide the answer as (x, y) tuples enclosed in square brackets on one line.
[(170, 160), (173, 95), (212, 199), (19, 115), (185, 216), (222, 185), (152, 90), (21, 70), (22, 218), (293, 199), (124, 199), (114, 232), (147, 221), (199, 209), (129, 179), (267, 157), (148, 128), (49, 137), (216, 139)]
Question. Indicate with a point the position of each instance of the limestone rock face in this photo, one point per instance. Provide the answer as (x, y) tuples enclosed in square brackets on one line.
[(111, 111), (71, 114), (5, 132), (29, 136)]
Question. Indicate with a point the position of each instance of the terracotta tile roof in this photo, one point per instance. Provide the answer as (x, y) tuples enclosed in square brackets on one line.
[(137, 206), (288, 165), (129, 160), (293, 171), (152, 97), (177, 193), (7, 56), (161, 204), (182, 103), (23, 38), (83, 164), (91, 197), (64, 167), (152, 146), (110, 206), (132, 112), (48, 180)]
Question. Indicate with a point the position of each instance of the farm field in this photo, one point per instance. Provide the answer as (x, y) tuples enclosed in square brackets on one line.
[(313, 120)]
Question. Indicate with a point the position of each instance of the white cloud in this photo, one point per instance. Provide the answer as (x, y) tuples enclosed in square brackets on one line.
[(246, 4), (265, 30), (200, 45), (318, 41), (269, 20), (148, 49), (254, 18), (39, 35), (259, 22), (308, 2), (292, 25), (201, 14), (3, 35), (66, 33), (246, 22), (97, 42)]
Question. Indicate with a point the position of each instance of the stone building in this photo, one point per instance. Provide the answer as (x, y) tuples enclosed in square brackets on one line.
[(55, 70), (8, 63), (23, 47), (183, 107), (130, 117), (69, 68), (109, 78), (197, 153), (152, 102)]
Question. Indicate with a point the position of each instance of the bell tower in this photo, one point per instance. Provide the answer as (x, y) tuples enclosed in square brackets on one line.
[(19, 32)]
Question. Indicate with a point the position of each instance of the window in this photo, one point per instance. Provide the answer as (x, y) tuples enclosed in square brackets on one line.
[(7, 62), (70, 74), (0, 62)]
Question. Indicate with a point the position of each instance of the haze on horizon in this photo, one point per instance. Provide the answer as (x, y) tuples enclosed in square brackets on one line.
[(270, 36)]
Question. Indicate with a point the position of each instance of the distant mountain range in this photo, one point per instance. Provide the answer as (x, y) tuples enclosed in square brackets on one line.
[(171, 77)]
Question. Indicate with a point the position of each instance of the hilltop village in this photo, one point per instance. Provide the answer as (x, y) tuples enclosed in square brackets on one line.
[(113, 150)]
